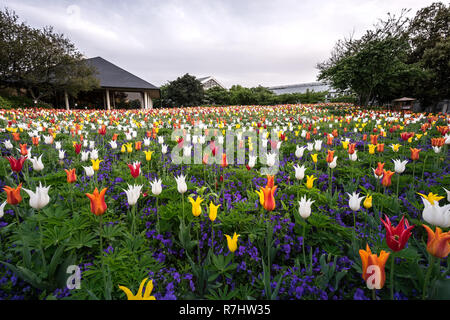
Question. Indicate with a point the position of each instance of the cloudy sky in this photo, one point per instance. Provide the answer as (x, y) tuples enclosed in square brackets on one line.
[(246, 42)]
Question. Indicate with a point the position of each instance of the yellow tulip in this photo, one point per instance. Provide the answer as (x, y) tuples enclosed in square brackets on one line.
[(314, 157), (96, 164), (213, 211), (261, 197), (122, 149), (232, 242), (368, 202), (345, 144), (395, 147), (196, 207), (139, 296), (129, 147), (372, 148), (148, 155), (310, 181), (431, 197)]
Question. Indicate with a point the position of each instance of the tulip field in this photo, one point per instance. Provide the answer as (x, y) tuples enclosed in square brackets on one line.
[(313, 202)]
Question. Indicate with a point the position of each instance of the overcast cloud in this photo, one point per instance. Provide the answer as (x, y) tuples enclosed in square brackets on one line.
[(250, 43)]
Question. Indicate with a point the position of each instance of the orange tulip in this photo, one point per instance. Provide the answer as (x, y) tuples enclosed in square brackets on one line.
[(270, 181), (71, 175), (380, 147), (13, 196), (98, 205), (335, 133), (329, 140), (308, 136), (415, 153), (351, 148), (269, 200), (330, 156), (437, 142), (16, 136), (23, 149), (374, 139), (138, 145), (224, 161), (438, 242), (114, 137), (35, 140), (379, 170), (387, 175), (368, 260)]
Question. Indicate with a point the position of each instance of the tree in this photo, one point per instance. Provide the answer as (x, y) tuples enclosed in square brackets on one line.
[(217, 96), (184, 91), (374, 67), (429, 38), (41, 60)]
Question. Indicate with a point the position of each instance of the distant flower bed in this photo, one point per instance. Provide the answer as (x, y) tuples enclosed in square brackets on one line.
[(326, 201)]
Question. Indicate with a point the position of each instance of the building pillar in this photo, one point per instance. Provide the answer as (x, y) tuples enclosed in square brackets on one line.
[(150, 102), (145, 102), (66, 99), (108, 104)]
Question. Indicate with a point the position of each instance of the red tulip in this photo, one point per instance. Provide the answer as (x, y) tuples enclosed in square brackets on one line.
[(77, 147), (135, 169), (16, 164), (397, 237)]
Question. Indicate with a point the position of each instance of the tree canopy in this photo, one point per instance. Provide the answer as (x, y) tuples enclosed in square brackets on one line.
[(399, 57), (41, 61)]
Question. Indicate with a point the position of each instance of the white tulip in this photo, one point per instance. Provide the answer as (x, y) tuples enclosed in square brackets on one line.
[(353, 156), (448, 194), (187, 151), (271, 159), (58, 145), (113, 144), (156, 186), (304, 207), (310, 146), (252, 161), (299, 172), (354, 202), (48, 139), (181, 184), (85, 143), (89, 171), (447, 139), (133, 194), (299, 151), (160, 139), (94, 154), (8, 144), (333, 163), (436, 149), (317, 145), (37, 163), (85, 155), (164, 149), (40, 198), (91, 144), (400, 166), (146, 142), (436, 215), (61, 154), (2, 208)]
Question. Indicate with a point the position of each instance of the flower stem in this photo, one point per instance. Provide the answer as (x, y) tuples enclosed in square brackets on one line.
[(427, 277), (392, 275)]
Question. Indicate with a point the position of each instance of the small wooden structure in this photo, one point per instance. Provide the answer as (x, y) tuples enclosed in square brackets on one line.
[(403, 104)]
